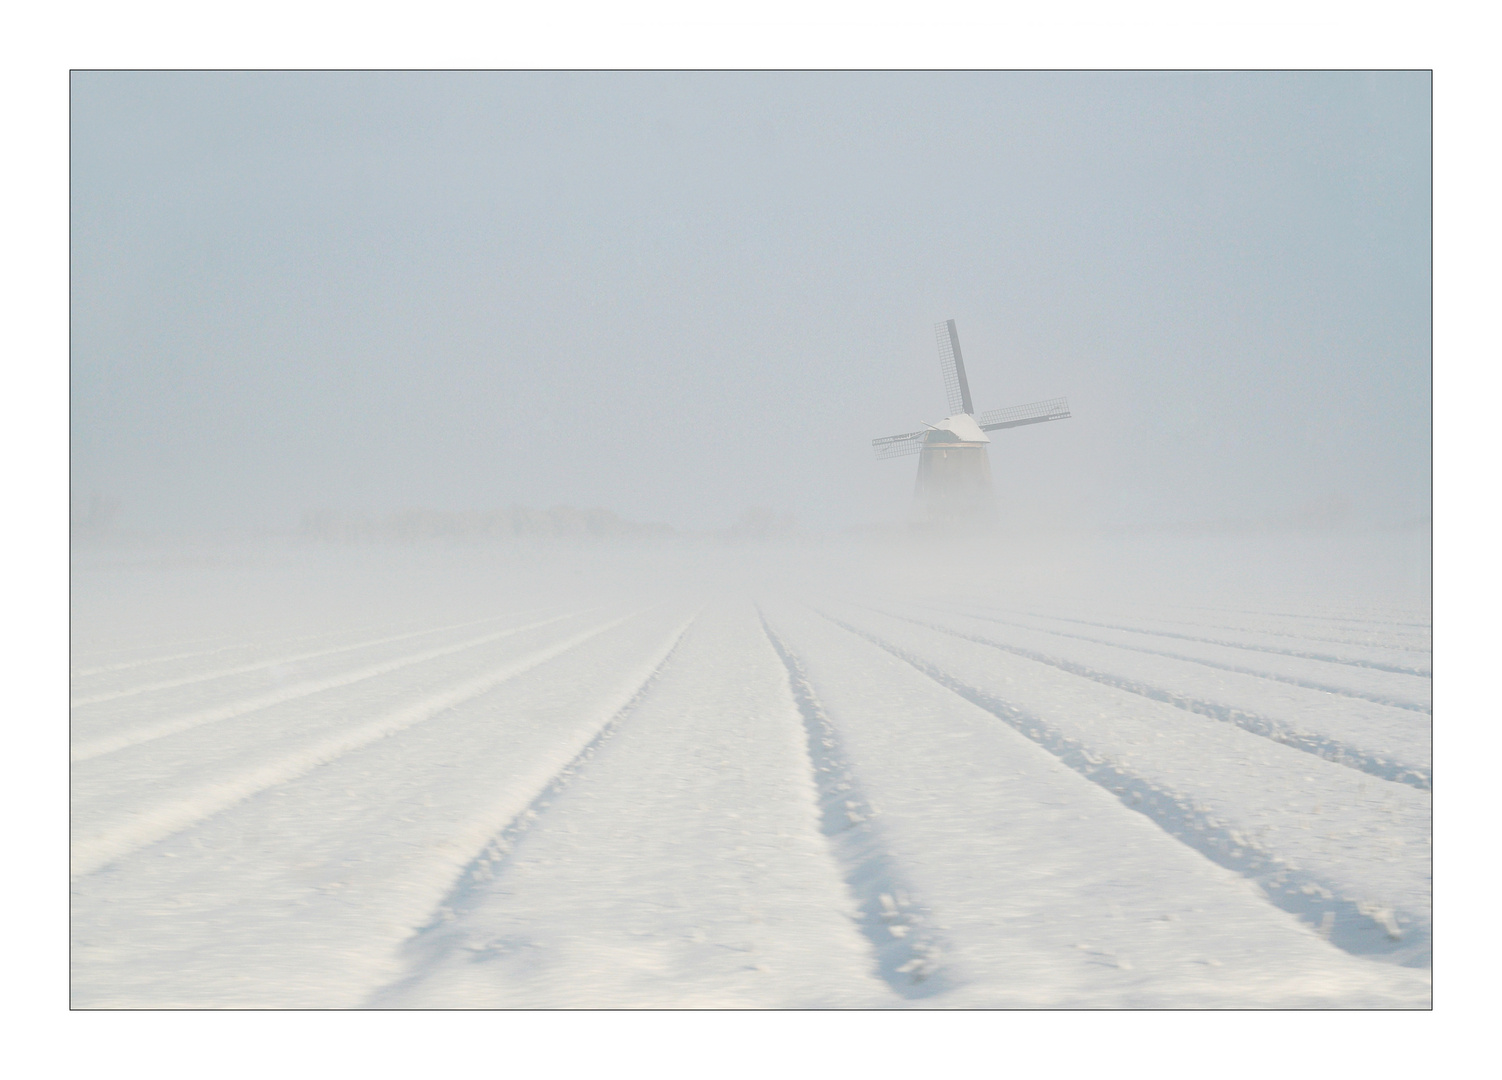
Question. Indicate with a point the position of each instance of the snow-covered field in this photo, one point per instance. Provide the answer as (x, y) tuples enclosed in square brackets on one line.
[(711, 776)]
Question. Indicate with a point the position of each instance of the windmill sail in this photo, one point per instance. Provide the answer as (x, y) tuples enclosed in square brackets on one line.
[(898, 445), (1035, 413), (952, 365)]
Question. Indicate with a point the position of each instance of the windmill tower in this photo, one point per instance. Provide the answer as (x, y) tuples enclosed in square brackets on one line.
[(954, 474)]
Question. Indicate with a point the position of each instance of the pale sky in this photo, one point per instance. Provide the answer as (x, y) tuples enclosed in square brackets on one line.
[(678, 295)]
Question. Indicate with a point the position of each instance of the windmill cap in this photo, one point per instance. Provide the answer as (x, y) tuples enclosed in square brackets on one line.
[(963, 425)]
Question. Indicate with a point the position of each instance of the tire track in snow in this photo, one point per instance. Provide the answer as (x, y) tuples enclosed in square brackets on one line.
[(1380, 699), (908, 951), (110, 744), (98, 851), (496, 834), (1351, 925), (1321, 746), (259, 665)]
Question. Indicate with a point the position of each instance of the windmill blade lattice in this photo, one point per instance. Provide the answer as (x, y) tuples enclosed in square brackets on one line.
[(898, 445), (952, 366), (1036, 412)]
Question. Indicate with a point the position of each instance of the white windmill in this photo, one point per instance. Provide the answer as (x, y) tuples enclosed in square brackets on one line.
[(954, 474)]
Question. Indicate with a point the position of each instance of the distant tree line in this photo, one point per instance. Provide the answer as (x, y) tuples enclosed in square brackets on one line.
[(94, 517), (515, 521), (763, 523)]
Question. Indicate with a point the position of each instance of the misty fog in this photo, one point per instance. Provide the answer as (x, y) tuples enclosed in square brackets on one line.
[(485, 592), (680, 296)]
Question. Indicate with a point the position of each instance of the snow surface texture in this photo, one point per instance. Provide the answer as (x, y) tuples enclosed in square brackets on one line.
[(701, 776)]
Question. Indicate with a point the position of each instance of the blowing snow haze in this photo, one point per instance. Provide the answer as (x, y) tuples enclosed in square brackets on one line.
[(680, 295)]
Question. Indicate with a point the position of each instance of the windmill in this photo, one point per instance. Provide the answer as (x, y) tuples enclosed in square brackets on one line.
[(954, 474)]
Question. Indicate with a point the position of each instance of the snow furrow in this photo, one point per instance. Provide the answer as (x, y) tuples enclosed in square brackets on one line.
[(1261, 673), (909, 772), (1328, 658), (1359, 917), (680, 864), (234, 643), (110, 744), (497, 833), (261, 665), (126, 665), (98, 653), (899, 926), (92, 853), (1369, 621), (1407, 644), (1320, 745)]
